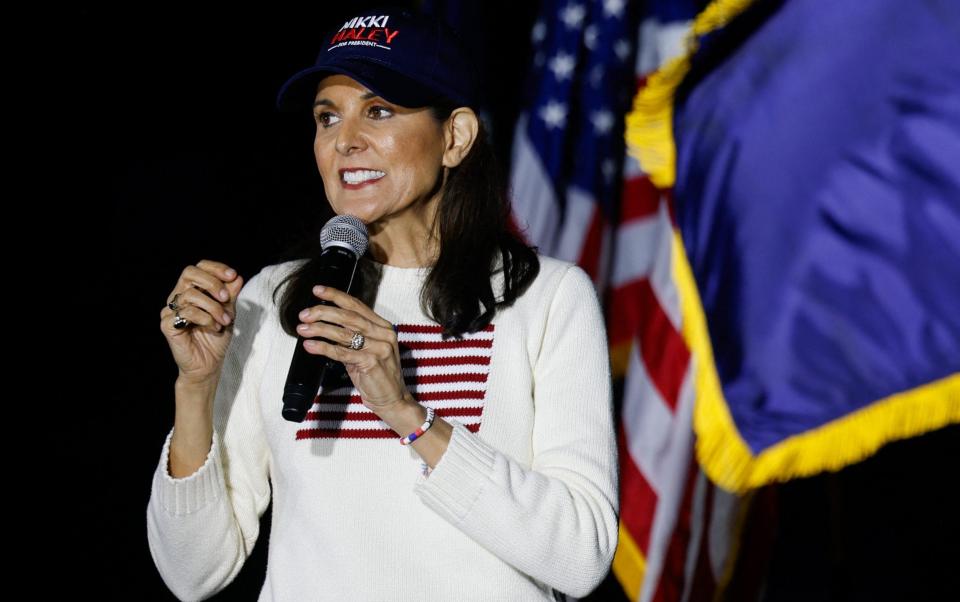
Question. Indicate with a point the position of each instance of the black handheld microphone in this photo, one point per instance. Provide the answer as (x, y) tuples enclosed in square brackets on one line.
[(344, 239)]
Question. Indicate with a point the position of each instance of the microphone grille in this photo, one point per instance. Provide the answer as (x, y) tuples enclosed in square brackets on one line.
[(345, 231)]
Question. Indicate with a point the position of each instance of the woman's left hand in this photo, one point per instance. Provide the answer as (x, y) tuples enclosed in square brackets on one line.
[(375, 367)]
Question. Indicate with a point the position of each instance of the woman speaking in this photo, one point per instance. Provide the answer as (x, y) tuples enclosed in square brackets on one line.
[(468, 451)]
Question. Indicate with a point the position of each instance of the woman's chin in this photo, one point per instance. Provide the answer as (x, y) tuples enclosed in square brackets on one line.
[(365, 216)]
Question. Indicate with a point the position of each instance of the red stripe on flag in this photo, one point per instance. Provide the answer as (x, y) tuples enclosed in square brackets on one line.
[(625, 313), (671, 207), (634, 308), (670, 582), (662, 348), (640, 197), (593, 241), (638, 499)]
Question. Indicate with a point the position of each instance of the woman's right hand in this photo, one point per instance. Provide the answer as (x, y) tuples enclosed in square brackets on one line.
[(199, 348)]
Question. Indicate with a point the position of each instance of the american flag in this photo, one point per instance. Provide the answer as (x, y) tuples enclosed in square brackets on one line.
[(447, 375), (577, 196), (568, 145)]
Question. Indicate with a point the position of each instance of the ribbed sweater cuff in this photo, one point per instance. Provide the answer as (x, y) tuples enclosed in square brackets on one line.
[(192, 493), (459, 477)]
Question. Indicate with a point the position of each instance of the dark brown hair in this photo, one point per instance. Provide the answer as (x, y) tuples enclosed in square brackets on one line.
[(474, 231)]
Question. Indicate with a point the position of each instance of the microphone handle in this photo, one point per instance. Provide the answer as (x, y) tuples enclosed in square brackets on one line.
[(307, 370)]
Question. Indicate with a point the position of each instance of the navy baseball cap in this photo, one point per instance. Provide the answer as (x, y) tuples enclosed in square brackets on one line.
[(406, 57)]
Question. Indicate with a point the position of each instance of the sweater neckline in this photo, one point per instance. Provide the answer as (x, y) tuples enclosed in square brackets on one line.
[(393, 272)]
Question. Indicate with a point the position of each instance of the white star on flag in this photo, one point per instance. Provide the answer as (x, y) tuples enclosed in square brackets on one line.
[(539, 31), (562, 66), (596, 76), (590, 37), (676, 532), (613, 8), (573, 15), (554, 114), (609, 169), (602, 122)]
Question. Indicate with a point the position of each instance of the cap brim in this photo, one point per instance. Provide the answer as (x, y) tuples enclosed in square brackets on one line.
[(299, 92)]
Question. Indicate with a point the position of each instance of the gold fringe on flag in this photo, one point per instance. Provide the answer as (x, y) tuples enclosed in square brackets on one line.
[(720, 449), (649, 126), (724, 454), (649, 137)]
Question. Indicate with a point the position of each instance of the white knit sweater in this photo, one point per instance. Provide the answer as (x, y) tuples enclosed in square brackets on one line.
[(523, 501)]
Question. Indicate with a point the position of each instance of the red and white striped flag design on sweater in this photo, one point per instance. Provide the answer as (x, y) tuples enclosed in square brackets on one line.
[(447, 375)]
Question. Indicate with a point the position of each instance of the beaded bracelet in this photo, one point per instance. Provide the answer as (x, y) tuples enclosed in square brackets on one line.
[(423, 428)]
